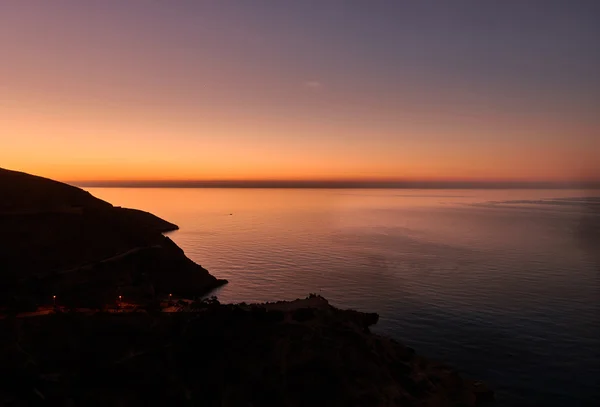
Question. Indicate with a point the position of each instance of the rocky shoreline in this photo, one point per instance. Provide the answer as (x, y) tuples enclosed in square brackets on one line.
[(64, 243), (301, 353)]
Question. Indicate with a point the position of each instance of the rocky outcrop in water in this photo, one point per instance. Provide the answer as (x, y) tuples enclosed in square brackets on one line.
[(303, 353)]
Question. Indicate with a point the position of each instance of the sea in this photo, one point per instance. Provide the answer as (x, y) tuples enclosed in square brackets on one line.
[(503, 285)]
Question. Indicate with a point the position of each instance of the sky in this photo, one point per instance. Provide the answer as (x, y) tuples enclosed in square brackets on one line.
[(301, 90)]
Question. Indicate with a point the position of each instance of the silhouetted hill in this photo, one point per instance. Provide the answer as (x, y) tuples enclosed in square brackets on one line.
[(301, 353), (25, 192), (60, 240)]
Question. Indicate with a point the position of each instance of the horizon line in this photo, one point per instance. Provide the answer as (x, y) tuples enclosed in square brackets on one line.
[(341, 184)]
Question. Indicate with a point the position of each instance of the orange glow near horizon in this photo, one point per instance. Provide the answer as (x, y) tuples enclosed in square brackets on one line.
[(78, 146), (127, 93)]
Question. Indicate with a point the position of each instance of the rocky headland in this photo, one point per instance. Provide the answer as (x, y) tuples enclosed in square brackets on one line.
[(302, 353), (60, 240), (154, 350)]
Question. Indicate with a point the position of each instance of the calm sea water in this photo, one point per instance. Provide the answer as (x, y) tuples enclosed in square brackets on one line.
[(502, 284)]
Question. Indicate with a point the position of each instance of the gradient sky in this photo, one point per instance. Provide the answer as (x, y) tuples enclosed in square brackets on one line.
[(485, 90)]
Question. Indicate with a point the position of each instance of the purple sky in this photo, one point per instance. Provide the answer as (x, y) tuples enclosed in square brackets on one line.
[(301, 89)]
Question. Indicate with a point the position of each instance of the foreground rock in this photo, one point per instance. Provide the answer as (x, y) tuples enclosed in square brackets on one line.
[(305, 353), (60, 240)]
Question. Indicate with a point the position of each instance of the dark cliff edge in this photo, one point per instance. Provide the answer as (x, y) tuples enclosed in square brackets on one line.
[(60, 240), (301, 353), (90, 349)]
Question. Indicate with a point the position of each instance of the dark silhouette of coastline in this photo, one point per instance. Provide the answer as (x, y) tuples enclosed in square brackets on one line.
[(60, 240), (91, 314), (299, 353)]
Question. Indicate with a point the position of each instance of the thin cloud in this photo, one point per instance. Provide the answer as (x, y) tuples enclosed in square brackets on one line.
[(313, 84)]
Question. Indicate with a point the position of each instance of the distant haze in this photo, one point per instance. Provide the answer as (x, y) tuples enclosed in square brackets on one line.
[(459, 91), (343, 184)]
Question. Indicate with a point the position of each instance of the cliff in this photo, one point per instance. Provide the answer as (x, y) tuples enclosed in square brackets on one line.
[(302, 353), (60, 240)]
